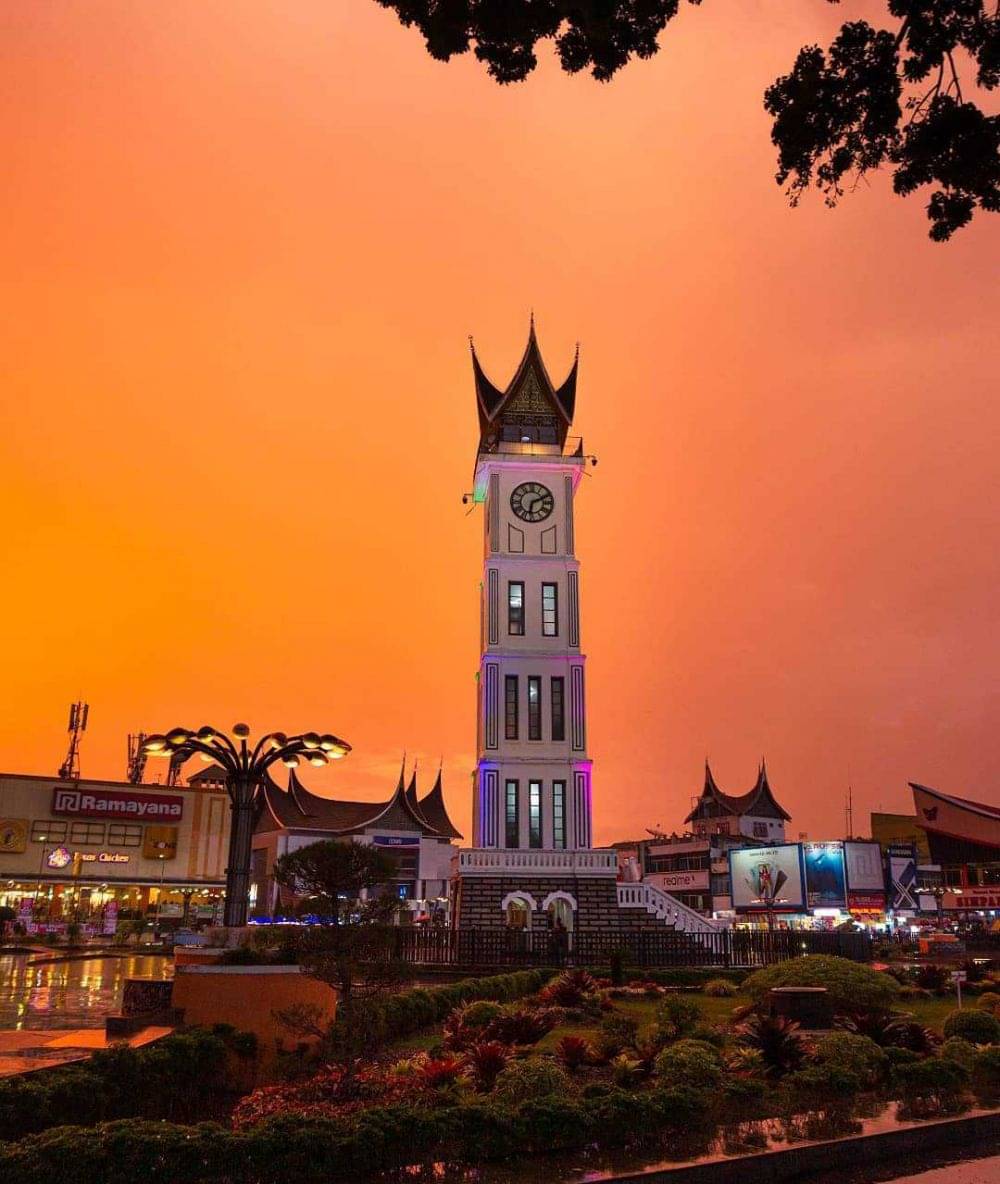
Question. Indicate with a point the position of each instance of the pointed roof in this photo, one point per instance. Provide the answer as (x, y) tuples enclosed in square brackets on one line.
[(758, 800), (296, 808), (432, 807), (530, 393)]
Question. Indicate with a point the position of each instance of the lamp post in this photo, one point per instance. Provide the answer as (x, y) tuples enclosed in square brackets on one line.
[(245, 769)]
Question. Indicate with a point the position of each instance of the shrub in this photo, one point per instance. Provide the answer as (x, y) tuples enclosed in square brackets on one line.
[(933, 978), (570, 989), (627, 1071), (677, 1015), (573, 1051), (720, 988), (710, 1033), (615, 1033), (528, 1080), (932, 1086), (776, 1039), (521, 1025), (956, 1049), (900, 1056), (690, 1063), (986, 1073), (891, 1029), (856, 1055), (479, 1013), (486, 1060), (989, 1001), (850, 985), (978, 1027)]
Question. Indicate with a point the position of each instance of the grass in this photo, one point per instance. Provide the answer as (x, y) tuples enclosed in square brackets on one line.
[(931, 1012)]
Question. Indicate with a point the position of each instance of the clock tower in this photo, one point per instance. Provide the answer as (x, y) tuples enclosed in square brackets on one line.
[(533, 774)]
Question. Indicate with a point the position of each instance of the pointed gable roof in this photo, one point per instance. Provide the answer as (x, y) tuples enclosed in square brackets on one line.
[(758, 800), (529, 393), (432, 807)]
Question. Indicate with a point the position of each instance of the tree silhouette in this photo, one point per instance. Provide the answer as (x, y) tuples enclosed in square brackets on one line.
[(876, 97)]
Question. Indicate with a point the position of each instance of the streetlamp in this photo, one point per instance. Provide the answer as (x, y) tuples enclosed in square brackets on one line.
[(245, 769)]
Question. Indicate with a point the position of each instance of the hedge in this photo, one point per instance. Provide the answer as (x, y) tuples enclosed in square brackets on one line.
[(316, 1151), (176, 1078), (409, 1011), (851, 986)]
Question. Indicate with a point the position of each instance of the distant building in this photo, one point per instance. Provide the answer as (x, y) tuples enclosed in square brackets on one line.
[(415, 831), (755, 814), (963, 837), (890, 830)]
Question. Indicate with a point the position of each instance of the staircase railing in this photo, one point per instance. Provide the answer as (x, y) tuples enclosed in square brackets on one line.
[(668, 908)]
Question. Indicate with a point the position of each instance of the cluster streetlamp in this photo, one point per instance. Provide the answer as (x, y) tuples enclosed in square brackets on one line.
[(245, 770)]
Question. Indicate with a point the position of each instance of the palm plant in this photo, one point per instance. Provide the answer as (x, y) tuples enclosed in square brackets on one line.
[(777, 1040)]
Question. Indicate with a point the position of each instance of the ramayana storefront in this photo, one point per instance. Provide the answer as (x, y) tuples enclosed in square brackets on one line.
[(99, 852)]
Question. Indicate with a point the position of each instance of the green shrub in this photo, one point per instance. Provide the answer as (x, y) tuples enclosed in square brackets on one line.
[(986, 1072), (710, 1033), (720, 988), (896, 1055), (957, 1049), (691, 1063), (935, 1085), (850, 985), (174, 1078), (988, 1001), (479, 1013), (969, 1023), (820, 1085), (537, 1077), (856, 1055), (614, 1033), (677, 1015)]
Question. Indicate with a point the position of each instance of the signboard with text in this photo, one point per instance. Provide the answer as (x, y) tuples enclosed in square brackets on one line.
[(863, 863), (768, 878), (109, 803), (690, 881)]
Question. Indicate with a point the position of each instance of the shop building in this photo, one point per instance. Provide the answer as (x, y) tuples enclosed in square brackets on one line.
[(755, 814), (96, 852), (963, 839), (416, 832)]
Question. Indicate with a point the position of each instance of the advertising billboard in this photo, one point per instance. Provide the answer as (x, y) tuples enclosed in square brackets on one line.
[(826, 885), (864, 867), (768, 878), (902, 882)]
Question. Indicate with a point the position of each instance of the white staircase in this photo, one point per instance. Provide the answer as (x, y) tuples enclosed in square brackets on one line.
[(664, 907)]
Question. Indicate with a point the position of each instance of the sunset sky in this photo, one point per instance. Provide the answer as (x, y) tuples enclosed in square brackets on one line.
[(243, 247)]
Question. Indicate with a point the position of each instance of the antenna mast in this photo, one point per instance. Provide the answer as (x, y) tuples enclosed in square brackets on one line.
[(69, 770), (850, 811), (136, 767)]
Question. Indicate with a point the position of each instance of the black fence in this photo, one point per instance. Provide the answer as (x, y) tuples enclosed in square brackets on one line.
[(649, 948)]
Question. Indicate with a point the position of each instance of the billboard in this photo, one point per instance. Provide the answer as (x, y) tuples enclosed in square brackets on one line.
[(902, 882), (767, 878), (826, 882), (864, 867)]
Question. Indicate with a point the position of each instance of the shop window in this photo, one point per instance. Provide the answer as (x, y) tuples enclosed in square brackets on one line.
[(124, 834), (48, 832), (87, 833)]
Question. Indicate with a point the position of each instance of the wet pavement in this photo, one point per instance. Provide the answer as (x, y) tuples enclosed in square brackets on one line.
[(41, 995)]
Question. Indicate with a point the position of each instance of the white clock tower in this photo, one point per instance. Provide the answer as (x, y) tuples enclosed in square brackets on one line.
[(533, 774)]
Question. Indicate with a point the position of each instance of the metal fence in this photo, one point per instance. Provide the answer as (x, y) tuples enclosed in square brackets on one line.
[(649, 948)]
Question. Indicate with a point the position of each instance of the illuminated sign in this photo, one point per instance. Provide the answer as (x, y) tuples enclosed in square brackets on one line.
[(108, 803), (102, 857), (696, 881), (396, 840), (59, 858), (825, 880), (767, 878)]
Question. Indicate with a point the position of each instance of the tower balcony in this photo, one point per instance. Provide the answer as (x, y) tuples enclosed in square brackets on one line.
[(529, 444), (488, 861)]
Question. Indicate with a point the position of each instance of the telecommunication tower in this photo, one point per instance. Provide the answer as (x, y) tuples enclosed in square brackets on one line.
[(70, 768), (136, 767)]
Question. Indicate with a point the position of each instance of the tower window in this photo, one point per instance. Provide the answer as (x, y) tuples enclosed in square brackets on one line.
[(550, 610), (534, 707), (559, 814), (515, 609), (558, 694), (510, 706), (534, 814), (513, 831)]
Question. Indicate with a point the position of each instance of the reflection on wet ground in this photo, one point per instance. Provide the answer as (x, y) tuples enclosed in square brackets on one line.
[(77, 994)]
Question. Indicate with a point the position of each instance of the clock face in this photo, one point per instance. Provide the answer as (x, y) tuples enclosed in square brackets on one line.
[(532, 502)]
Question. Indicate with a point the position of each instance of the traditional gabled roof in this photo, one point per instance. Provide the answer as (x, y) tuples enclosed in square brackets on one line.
[(529, 398), (296, 808), (759, 800), (210, 775), (432, 807)]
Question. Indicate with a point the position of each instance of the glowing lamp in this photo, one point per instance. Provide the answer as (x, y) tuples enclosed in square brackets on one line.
[(291, 761)]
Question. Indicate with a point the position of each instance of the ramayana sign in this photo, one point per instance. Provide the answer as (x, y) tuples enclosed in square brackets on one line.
[(107, 803)]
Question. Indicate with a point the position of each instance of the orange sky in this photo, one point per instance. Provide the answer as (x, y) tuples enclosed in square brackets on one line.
[(243, 246)]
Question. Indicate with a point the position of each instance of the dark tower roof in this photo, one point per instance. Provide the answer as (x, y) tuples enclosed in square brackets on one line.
[(432, 807), (759, 800), (529, 404)]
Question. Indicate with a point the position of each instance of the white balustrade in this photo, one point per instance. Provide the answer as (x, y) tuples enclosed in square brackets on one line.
[(483, 861), (664, 906)]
